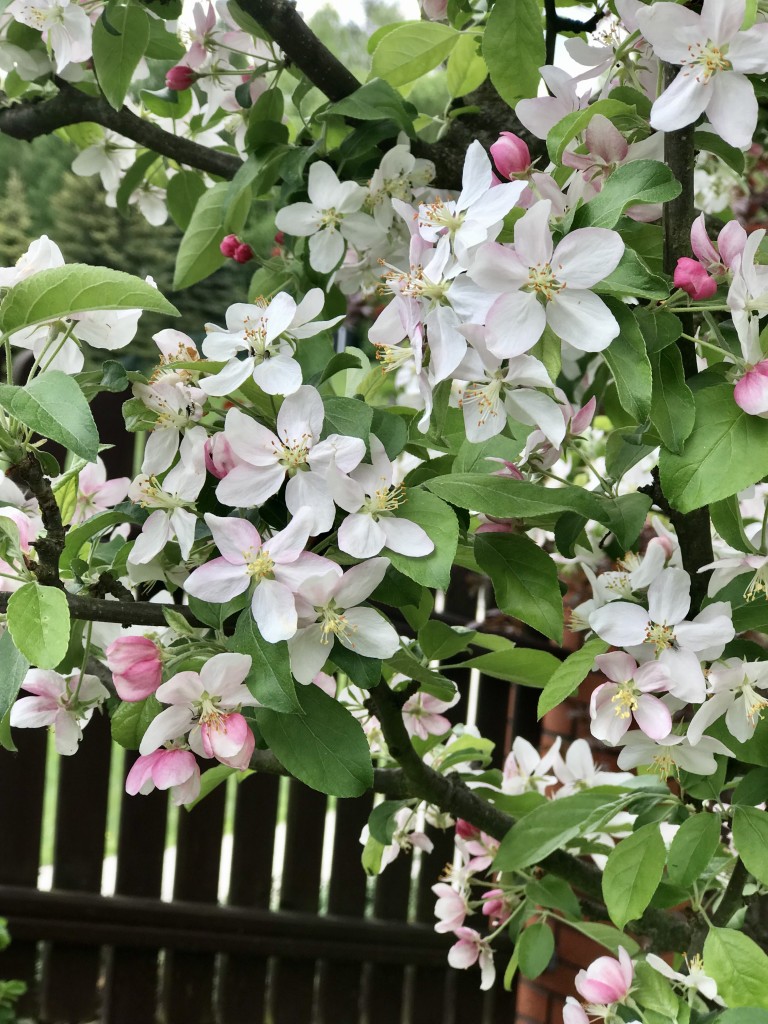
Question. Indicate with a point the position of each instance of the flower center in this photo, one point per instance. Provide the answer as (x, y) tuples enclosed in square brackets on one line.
[(542, 281), (259, 566), (755, 704), (392, 357), (294, 454), (386, 499), (661, 636), (625, 699), (664, 765), (757, 585), (208, 711), (706, 59), (485, 397), (334, 623), (330, 219), (441, 215)]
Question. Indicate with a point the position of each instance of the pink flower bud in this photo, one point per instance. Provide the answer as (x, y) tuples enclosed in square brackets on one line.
[(280, 238), (751, 391), (465, 830), (606, 980), (218, 455), (511, 155), (134, 662), (243, 253), (229, 246), (229, 739), (435, 10), (693, 278), (174, 769), (180, 78)]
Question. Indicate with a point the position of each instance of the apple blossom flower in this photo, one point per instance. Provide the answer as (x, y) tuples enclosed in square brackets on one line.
[(542, 113), (716, 57), (540, 287), (525, 770), (261, 331), (328, 611), (691, 276), (206, 705), (275, 567), (451, 907), (295, 451), (696, 980), (471, 949), (136, 666), (173, 769), (662, 628), (748, 293), (397, 176), (476, 847), (435, 10), (539, 452), (178, 408), (733, 686), (629, 695), (477, 214), (64, 27), (422, 715), (331, 218), (42, 254), (370, 497), (606, 980), (95, 493), (672, 753), (751, 390), (498, 906), (172, 501), (731, 242), (578, 771), (511, 155), (574, 1012), (405, 837), (110, 158), (64, 701), (219, 457)]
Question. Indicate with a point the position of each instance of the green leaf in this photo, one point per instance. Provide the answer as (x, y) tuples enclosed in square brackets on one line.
[(728, 522), (629, 363), (411, 50), (143, 166), (574, 124), (693, 848), (711, 142), (554, 892), (270, 679), (391, 429), (513, 47), (660, 328), (54, 406), (654, 993), (626, 517), (524, 580), (632, 874), (512, 499), (80, 535), (466, 69), (535, 949), (182, 195), (375, 101), (623, 450), (633, 277), (522, 665), (116, 56), (750, 1015), (726, 452), (325, 747), (132, 719), (569, 674), (347, 416), (638, 182), (739, 967), (13, 668), (547, 828), (199, 254), (38, 618), (382, 821), (752, 789), (673, 409), (439, 641), (430, 681), (365, 672), (750, 837), (77, 288), (439, 522)]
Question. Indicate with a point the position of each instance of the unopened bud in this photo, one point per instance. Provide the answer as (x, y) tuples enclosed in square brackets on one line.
[(691, 276), (243, 253), (229, 246), (180, 78), (511, 155)]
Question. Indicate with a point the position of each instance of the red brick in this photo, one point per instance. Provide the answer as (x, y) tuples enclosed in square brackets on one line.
[(560, 720), (532, 1001)]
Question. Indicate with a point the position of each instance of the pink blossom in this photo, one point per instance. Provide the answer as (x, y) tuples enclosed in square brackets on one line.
[(627, 696), (422, 718), (511, 155), (751, 391), (97, 494), (470, 949), (327, 683), (477, 852), (173, 769), (180, 78), (497, 906), (606, 980), (220, 459), (730, 246), (691, 276), (435, 10), (228, 738), (451, 907), (136, 668), (65, 702), (574, 1012)]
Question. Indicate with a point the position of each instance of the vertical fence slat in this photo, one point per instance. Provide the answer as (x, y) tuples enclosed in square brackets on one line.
[(293, 989), (189, 976), (22, 784), (132, 976), (341, 983), (386, 982), (242, 986), (429, 983), (71, 973)]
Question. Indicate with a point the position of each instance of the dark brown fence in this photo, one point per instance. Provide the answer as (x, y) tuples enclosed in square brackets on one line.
[(335, 948)]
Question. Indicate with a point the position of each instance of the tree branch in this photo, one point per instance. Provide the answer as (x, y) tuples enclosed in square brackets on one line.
[(28, 120), (125, 613), (28, 474), (557, 23)]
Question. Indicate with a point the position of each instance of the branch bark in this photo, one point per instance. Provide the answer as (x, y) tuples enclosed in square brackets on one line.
[(28, 474), (29, 120)]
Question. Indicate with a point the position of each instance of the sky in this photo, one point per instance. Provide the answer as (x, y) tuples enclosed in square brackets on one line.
[(352, 10)]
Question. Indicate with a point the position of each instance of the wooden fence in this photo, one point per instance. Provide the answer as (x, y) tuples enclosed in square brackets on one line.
[(370, 957)]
